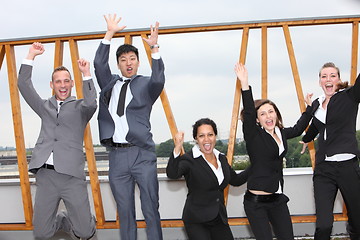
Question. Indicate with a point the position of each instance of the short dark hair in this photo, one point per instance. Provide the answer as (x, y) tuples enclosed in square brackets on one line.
[(258, 103), (203, 121), (58, 69), (126, 48)]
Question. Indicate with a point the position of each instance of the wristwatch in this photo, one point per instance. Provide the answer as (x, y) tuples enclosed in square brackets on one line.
[(154, 46)]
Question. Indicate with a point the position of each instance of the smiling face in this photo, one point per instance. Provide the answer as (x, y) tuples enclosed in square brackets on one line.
[(128, 63), (328, 80), (267, 117), (61, 84), (206, 138)]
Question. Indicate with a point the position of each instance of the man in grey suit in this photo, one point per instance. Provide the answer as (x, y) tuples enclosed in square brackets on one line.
[(58, 159), (124, 123)]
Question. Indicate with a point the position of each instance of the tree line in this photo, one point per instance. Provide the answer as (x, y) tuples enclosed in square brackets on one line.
[(293, 157)]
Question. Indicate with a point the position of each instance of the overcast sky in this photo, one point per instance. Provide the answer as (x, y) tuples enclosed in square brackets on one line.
[(199, 67)]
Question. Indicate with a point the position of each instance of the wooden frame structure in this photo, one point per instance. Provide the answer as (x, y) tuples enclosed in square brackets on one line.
[(7, 49)]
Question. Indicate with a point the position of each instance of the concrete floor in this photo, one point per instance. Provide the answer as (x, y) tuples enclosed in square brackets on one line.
[(301, 230)]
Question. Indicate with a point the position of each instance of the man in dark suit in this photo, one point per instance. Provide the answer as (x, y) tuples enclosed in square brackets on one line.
[(58, 158), (124, 123)]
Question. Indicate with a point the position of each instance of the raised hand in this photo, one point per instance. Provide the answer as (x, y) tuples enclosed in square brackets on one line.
[(84, 67), (242, 75), (178, 140), (112, 25), (154, 33), (35, 50), (308, 99)]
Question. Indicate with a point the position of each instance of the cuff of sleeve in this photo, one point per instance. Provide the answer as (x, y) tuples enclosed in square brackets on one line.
[(156, 55), (28, 62), (105, 41), (175, 154), (86, 78)]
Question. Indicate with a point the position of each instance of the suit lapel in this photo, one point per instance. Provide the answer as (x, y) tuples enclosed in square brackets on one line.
[(207, 168)]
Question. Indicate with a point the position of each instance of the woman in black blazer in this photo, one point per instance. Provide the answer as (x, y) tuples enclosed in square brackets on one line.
[(265, 136), (336, 160), (207, 173)]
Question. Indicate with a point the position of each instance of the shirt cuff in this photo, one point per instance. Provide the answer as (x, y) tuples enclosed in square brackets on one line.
[(87, 78), (156, 55), (28, 62), (175, 155), (105, 41)]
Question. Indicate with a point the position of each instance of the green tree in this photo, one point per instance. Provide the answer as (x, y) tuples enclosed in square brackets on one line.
[(164, 149)]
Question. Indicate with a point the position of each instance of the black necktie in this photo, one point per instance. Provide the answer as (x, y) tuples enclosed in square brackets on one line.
[(121, 103)]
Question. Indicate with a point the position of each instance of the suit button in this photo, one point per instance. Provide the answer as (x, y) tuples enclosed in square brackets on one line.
[(55, 139), (57, 124), (217, 200)]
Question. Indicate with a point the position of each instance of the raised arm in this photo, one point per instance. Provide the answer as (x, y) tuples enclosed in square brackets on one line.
[(25, 84), (176, 167), (89, 90), (84, 67), (179, 141)]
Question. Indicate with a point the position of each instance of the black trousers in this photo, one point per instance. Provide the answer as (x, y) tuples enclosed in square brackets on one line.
[(329, 177), (274, 212), (212, 230)]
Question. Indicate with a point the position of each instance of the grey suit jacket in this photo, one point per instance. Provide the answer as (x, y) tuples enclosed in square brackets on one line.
[(61, 133), (145, 91)]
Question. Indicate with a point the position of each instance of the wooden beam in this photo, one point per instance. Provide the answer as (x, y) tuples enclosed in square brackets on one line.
[(194, 29), (59, 53), (354, 52), (89, 149), (128, 39), (264, 64), (236, 106), (177, 223), (2, 54), (19, 135), (294, 68)]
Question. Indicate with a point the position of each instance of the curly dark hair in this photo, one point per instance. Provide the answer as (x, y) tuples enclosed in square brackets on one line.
[(203, 121)]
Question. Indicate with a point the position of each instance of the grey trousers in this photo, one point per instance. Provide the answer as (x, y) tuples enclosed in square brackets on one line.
[(129, 166), (51, 187)]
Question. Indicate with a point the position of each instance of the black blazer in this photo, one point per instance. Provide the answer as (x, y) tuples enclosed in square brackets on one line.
[(205, 198), (340, 124), (266, 164)]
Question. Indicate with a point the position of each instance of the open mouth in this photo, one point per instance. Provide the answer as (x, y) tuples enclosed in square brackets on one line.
[(207, 146), (329, 86), (269, 122)]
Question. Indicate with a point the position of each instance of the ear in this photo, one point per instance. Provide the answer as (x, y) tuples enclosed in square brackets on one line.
[(257, 120), (72, 83), (51, 84)]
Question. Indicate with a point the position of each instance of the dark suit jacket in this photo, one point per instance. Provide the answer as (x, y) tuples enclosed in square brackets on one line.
[(145, 91), (205, 198), (61, 133), (340, 124), (266, 164)]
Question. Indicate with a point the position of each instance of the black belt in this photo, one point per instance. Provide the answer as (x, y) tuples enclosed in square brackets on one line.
[(261, 198), (48, 166), (122, 145)]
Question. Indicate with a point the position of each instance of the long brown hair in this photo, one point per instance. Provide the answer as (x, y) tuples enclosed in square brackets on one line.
[(258, 103)]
